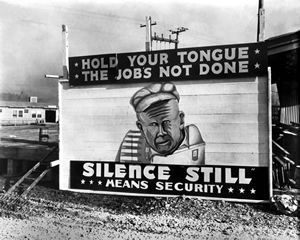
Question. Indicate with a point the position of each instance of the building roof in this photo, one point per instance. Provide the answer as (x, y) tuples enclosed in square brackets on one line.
[(285, 35), (284, 42), (12, 104)]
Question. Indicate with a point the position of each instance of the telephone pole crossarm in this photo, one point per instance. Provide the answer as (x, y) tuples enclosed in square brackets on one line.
[(162, 39), (177, 31), (150, 38)]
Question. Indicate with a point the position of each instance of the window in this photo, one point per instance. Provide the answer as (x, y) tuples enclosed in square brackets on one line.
[(26, 111), (39, 114), (15, 113), (20, 113), (33, 114), (33, 99)]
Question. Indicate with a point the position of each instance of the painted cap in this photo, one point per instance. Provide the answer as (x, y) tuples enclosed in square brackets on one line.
[(153, 93)]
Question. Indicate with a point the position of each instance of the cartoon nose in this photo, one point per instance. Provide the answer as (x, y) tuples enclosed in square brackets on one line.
[(161, 131)]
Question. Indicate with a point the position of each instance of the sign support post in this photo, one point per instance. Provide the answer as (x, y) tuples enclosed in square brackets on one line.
[(270, 131), (65, 79), (65, 51), (261, 22)]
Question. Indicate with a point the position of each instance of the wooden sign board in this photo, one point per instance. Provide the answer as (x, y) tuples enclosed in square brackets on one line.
[(166, 123)]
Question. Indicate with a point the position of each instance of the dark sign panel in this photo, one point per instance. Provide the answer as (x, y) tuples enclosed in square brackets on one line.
[(227, 182), (214, 62)]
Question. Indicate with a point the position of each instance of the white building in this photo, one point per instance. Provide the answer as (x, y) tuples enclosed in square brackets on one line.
[(20, 113)]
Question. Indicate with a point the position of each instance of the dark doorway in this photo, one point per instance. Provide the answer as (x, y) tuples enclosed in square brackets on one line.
[(3, 166), (50, 116)]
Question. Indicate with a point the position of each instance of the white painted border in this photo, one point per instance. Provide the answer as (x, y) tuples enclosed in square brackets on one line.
[(270, 132)]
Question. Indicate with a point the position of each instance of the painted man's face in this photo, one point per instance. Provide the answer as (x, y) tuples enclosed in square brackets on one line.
[(162, 126)]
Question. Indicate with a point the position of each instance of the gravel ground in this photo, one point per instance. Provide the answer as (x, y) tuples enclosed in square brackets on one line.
[(52, 214)]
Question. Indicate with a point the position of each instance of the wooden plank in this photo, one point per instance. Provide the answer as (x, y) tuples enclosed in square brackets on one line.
[(250, 85), (209, 148), (236, 159), (54, 163), (229, 128), (278, 160), (50, 144), (288, 160), (205, 129), (208, 108), (225, 118), (236, 148), (224, 108), (208, 137), (29, 136), (92, 145), (100, 110), (233, 98), (35, 182), (278, 147), (189, 119), (19, 153)]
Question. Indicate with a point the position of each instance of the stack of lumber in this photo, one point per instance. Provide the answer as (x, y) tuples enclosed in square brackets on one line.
[(286, 162)]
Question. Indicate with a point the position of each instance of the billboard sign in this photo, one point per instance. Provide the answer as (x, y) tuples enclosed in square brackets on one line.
[(230, 182), (188, 122), (223, 62)]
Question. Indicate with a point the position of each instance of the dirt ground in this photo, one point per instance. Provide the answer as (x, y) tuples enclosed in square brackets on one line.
[(48, 213)]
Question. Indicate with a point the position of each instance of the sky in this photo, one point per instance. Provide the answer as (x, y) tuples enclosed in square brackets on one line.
[(31, 32)]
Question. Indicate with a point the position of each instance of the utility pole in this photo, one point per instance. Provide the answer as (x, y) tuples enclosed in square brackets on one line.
[(177, 31), (261, 22), (65, 50), (65, 60), (150, 38), (148, 26)]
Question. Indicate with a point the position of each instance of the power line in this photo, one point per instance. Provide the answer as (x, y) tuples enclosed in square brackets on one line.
[(70, 27), (90, 13), (112, 17), (206, 35), (191, 31), (211, 38), (109, 17)]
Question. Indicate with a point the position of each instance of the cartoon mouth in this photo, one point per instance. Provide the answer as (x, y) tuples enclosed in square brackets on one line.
[(163, 143)]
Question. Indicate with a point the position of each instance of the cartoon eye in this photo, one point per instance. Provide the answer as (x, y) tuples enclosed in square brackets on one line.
[(154, 124), (166, 122)]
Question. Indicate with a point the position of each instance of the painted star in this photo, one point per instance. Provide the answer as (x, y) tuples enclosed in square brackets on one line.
[(91, 182), (76, 76), (230, 190), (256, 65), (76, 64), (99, 183), (242, 190), (252, 191), (82, 181), (256, 51)]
